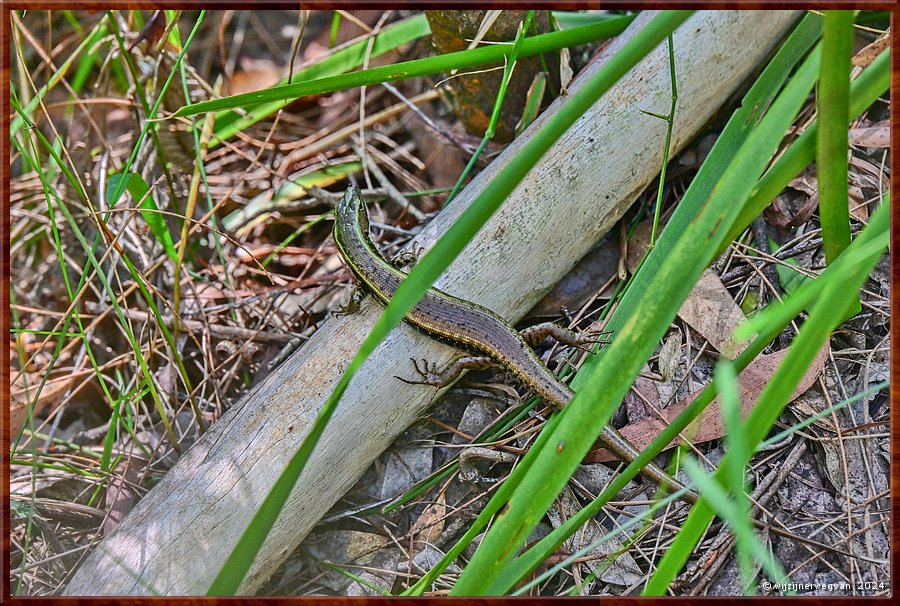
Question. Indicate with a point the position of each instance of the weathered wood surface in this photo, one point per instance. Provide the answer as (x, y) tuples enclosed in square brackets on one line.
[(176, 539)]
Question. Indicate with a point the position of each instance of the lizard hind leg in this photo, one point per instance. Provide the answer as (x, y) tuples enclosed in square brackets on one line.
[(534, 335), (431, 375)]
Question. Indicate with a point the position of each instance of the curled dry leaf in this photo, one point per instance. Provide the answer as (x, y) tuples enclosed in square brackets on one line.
[(786, 211)]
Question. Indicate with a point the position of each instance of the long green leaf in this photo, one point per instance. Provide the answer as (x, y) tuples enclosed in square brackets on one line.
[(230, 122), (871, 84), (475, 57), (429, 268), (730, 140), (839, 291), (832, 105), (584, 417)]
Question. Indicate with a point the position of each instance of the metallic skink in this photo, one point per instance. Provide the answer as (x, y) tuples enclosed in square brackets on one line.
[(464, 324)]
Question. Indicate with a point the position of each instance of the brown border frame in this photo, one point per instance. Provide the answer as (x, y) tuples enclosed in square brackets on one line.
[(5, 39)]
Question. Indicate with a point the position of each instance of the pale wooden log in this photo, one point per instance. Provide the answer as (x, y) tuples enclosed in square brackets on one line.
[(176, 539)]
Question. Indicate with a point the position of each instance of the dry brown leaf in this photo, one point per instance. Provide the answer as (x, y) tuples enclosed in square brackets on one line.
[(778, 213), (152, 32), (254, 75), (804, 208), (868, 53), (807, 182), (710, 310), (20, 399), (620, 570), (429, 526), (788, 211), (842, 454), (709, 425), (871, 136)]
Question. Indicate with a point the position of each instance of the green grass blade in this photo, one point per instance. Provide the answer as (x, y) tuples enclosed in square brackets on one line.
[(529, 560), (832, 104), (605, 386), (871, 84), (734, 510), (335, 25), (734, 134), (475, 57), (533, 99), (738, 128), (140, 193), (836, 294), (136, 275), (50, 195), (230, 122), (174, 37), (736, 517), (429, 268)]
